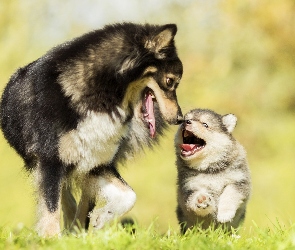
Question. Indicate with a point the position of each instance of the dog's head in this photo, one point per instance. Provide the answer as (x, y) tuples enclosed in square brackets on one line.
[(156, 71)]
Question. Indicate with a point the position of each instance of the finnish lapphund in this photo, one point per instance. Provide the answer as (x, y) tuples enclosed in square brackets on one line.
[(214, 182), (85, 106)]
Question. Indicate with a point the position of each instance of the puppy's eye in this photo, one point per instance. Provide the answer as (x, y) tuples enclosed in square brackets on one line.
[(169, 81), (205, 125)]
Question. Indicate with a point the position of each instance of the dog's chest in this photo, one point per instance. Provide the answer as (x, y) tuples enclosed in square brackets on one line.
[(94, 142), (214, 182)]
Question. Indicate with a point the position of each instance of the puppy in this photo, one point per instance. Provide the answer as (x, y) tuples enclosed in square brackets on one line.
[(213, 176)]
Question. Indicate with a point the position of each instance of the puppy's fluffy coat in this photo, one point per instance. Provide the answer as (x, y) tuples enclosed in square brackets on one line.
[(213, 176)]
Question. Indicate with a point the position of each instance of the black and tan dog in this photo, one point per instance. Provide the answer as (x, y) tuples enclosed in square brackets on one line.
[(86, 105)]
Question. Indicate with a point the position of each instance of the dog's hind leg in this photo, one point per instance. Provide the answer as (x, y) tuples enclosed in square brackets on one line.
[(111, 196), (49, 176), (69, 206)]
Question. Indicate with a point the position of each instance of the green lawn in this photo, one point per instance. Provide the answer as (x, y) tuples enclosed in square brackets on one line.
[(238, 58), (115, 237)]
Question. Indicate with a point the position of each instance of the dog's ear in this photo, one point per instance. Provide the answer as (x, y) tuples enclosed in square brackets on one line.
[(162, 39), (165, 37), (230, 122)]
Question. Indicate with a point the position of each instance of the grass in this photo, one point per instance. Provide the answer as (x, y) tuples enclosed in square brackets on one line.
[(246, 68), (135, 237)]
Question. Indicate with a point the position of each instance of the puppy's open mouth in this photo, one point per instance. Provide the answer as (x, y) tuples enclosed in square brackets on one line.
[(148, 111), (191, 143)]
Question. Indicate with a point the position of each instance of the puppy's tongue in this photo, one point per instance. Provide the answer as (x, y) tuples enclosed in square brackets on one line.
[(149, 115), (188, 149)]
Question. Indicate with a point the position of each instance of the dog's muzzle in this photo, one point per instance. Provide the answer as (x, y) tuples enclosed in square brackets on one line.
[(179, 120)]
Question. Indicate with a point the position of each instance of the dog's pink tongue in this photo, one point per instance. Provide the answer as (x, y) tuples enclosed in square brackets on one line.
[(149, 116)]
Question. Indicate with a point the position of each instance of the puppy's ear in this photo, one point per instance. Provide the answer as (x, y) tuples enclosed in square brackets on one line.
[(229, 121), (162, 39)]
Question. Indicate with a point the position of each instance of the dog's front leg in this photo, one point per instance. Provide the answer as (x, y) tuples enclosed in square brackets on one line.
[(230, 201), (112, 197), (115, 198)]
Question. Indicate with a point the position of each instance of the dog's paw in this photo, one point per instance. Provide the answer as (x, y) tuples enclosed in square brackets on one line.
[(202, 203), (100, 217), (225, 215)]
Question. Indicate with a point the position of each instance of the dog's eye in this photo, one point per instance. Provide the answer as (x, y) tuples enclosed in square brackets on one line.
[(169, 81), (205, 125)]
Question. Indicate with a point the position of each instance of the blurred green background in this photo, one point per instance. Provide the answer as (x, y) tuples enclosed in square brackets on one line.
[(238, 57)]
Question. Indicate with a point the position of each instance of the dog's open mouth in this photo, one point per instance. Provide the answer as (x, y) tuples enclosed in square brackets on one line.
[(191, 143), (148, 111)]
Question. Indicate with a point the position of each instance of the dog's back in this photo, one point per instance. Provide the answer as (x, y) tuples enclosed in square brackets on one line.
[(213, 174)]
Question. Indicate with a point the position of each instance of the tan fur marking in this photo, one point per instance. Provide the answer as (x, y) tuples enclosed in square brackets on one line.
[(77, 76), (66, 151), (133, 92), (149, 69), (73, 81), (169, 108)]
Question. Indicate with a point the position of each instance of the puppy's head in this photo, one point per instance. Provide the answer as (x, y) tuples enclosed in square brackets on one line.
[(204, 134), (154, 89)]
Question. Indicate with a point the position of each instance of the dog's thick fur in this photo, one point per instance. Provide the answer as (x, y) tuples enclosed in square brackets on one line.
[(213, 176), (84, 106)]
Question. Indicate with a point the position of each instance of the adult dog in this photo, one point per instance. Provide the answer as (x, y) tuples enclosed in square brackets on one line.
[(84, 106)]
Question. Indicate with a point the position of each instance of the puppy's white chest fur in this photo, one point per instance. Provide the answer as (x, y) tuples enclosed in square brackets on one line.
[(94, 142), (214, 182)]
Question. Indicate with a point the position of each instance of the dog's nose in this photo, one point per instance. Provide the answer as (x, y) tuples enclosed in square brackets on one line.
[(179, 120)]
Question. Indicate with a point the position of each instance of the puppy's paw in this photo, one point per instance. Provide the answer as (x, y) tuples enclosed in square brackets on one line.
[(225, 215), (201, 203)]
